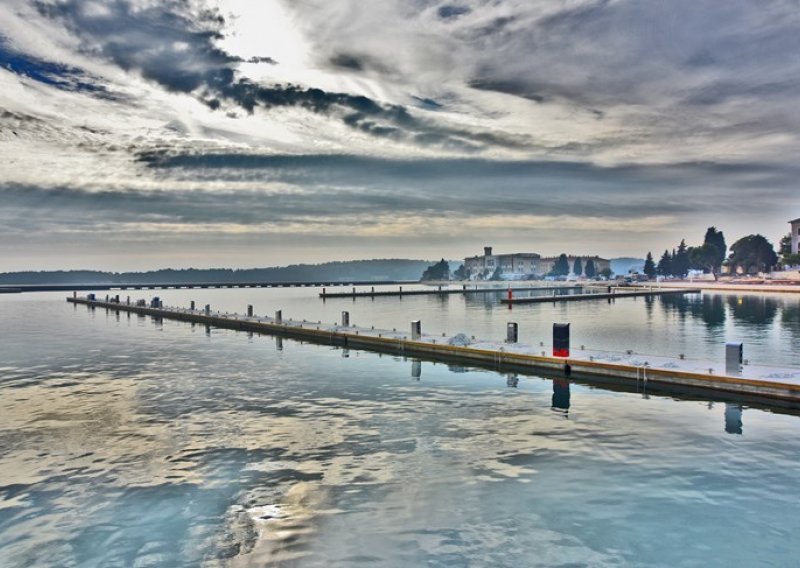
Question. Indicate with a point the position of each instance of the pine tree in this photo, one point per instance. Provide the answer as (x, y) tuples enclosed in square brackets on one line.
[(649, 266), (591, 271), (680, 260), (715, 239), (577, 268), (561, 267), (665, 264)]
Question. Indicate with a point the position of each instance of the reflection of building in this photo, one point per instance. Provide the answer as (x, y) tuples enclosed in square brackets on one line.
[(522, 264), (795, 236)]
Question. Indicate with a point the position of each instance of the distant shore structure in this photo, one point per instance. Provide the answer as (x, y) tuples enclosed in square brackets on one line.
[(521, 265), (795, 236)]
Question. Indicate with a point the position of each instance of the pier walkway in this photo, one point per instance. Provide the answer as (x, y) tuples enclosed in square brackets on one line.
[(441, 291), (616, 293), (777, 385)]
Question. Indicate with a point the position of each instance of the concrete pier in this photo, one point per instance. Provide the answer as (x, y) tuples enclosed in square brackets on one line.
[(616, 293), (771, 384), (440, 292)]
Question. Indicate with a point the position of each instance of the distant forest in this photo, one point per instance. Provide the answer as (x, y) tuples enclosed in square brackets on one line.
[(386, 269)]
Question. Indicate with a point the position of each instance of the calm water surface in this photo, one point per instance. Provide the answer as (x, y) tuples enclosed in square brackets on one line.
[(128, 442)]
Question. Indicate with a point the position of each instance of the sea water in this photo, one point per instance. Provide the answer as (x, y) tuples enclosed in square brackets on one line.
[(127, 441)]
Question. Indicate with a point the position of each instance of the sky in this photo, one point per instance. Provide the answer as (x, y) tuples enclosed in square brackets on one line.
[(139, 134)]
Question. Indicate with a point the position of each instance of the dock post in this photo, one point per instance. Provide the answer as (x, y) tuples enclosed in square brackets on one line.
[(74, 294), (249, 310), (512, 332), (345, 319), (734, 353), (560, 340), (416, 330), (278, 316), (401, 290), (191, 305), (128, 301), (373, 290), (208, 309)]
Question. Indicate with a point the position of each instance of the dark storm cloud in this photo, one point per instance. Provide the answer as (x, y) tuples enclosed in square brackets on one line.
[(176, 47), (474, 187), (621, 52)]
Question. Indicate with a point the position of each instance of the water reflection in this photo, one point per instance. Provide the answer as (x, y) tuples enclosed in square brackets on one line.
[(561, 395), (753, 310), (708, 308), (733, 418)]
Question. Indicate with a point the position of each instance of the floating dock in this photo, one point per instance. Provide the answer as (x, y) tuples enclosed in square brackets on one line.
[(777, 385), (614, 294), (440, 291)]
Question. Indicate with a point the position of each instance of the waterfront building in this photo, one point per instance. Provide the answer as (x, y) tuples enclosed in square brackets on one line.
[(795, 236), (521, 264)]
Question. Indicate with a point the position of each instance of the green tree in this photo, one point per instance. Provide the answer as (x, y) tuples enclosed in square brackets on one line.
[(680, 260), (704, 258), (561, 266), (665, 264), (438, 271), (785, 245), (591, 270), (715, 239), (577, 268), (790, 259), (460, 273), (649, 266), (497, 274), (753, 253), (607, 273)]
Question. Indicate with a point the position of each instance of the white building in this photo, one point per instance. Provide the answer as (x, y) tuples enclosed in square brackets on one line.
[(515, 265), (795, 236)]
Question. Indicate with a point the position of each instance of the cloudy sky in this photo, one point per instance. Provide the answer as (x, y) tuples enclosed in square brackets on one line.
[(148, 133)]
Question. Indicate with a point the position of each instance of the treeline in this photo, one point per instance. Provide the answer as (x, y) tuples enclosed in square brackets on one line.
[(748, 255), (383, 269)]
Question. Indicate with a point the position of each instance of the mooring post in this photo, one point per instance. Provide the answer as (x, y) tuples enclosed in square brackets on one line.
[(401, 290), (74, 294), (278, 316), (249, 310), (208, 309), (560, 340), (416, 329), (512, 332), (354, 290), (345, 319), (191, 305)]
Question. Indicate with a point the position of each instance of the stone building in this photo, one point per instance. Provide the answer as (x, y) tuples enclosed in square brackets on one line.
[(514, 265), (795, 236), (521, 264)]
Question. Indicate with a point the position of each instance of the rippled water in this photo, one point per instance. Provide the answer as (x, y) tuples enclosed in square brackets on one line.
[(128, 442)]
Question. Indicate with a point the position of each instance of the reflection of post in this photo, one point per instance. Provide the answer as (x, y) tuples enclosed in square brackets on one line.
[(561, 394), (512, 381), (733, 418), (279, 343), (345, 353), (416, 369)]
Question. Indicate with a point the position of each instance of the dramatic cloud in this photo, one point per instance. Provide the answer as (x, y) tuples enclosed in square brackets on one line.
[(350, 128)]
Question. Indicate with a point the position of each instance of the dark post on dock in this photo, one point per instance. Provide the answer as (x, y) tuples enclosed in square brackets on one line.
[(560, 340)]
